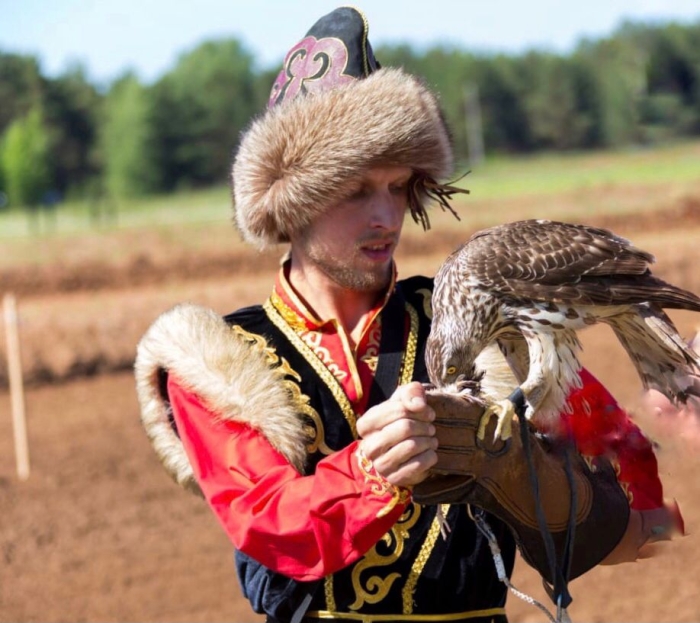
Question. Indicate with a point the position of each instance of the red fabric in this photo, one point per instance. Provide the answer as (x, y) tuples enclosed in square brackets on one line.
[(305, 527), (600, 427)]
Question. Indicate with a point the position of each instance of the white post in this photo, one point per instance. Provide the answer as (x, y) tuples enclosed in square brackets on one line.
[(14, 367)]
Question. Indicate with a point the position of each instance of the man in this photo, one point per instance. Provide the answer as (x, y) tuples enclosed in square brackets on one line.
[(304, 422)]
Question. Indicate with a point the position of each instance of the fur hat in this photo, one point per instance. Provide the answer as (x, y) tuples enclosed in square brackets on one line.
[(333, 113)]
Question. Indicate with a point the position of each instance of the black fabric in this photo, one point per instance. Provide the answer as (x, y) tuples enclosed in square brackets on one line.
[(350, 26), (391, 347), (498, 618), (280, 597)]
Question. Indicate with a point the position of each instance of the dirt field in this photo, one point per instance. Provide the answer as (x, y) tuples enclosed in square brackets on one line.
[(99, 532)]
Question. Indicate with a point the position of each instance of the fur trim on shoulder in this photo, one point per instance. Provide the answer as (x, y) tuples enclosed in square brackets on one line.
[(298, 157), (237, 377)]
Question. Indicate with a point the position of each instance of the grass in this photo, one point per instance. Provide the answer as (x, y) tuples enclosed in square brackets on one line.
[(201, 206), (504, 177), (572, 185)]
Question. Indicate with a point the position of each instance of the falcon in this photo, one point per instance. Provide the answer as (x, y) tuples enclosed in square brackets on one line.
[(529, 287)]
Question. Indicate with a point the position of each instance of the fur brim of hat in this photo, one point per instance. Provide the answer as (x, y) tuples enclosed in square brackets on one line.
[(235, 377), (297, 159)]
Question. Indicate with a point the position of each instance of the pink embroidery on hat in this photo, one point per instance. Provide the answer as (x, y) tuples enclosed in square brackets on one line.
[(311, 65)]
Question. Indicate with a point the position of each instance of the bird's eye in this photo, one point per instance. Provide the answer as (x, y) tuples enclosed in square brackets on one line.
[(451, 370)]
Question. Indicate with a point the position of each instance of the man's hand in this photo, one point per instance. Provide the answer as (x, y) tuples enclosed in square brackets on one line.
[(645, 528), (398, 437)]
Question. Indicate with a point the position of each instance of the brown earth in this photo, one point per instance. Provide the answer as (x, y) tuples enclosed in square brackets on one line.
[(99, 533)]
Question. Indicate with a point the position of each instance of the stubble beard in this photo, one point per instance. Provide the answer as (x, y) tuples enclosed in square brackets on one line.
[(357, 279)]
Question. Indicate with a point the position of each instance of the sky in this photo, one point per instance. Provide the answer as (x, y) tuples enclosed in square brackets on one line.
[(110, 37)]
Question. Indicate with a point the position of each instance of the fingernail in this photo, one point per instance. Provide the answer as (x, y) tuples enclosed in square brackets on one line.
[(431, 430), (418, 401)]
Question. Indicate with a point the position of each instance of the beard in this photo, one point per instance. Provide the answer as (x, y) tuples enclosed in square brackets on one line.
[(346, 272)]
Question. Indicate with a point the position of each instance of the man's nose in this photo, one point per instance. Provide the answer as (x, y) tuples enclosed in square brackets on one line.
[(385, 211)]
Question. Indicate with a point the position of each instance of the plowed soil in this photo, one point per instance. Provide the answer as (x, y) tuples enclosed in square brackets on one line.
[(99, 533)]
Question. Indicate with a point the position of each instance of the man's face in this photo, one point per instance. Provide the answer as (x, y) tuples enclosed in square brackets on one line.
[(353, 242)]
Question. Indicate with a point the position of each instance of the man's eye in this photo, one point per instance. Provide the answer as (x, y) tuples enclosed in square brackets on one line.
[(358, 193), (399, 189)]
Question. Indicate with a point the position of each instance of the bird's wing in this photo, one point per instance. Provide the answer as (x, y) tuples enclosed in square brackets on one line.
[(563, 262)]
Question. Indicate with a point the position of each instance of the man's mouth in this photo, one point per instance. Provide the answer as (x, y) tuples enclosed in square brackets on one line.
[(378, 250)]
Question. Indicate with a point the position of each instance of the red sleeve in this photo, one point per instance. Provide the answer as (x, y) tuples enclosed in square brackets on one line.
[(601, 427), (304, 527)]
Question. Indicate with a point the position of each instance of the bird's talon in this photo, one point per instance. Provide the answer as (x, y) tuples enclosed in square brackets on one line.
[(503, 429), (504, 411)]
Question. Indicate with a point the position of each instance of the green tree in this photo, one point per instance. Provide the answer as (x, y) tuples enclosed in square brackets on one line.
[(200, 109), (549, 101), (127, 140), (25, 160), (506, 126), (71, 108), (21, 87), (609, 80)]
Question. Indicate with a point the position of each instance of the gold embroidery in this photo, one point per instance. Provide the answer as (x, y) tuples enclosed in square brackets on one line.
[(409, 357), (313, 340), (330, 598), (427, 301), (376, 588), (301, 402), (290, 316), (420, 562), (380, 485), (371, 361), (625, 485), (332, 383), (373, 339), (382, 618)]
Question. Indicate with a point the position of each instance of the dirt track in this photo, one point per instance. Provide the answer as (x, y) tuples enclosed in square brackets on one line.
[(99, 532)]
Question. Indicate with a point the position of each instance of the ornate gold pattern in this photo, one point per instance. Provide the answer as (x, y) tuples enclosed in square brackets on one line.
[(288, 314), (382, 618), (313, 340), (330, 597), (409, 358), (380, 485), (373, 341), (315, 431), (625, 485), (371, 362), (421, 560), (376, 588), (336, 389)]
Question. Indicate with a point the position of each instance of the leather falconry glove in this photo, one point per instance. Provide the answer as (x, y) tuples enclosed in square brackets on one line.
[(495, 476)]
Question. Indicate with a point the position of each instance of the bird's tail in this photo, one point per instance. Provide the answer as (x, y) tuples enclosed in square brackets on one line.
[(664, 361)]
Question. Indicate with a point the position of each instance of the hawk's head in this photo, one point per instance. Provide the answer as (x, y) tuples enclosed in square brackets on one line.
[(449, 360)]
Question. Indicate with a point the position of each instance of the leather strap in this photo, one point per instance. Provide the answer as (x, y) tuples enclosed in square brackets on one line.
[(391, 349)]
